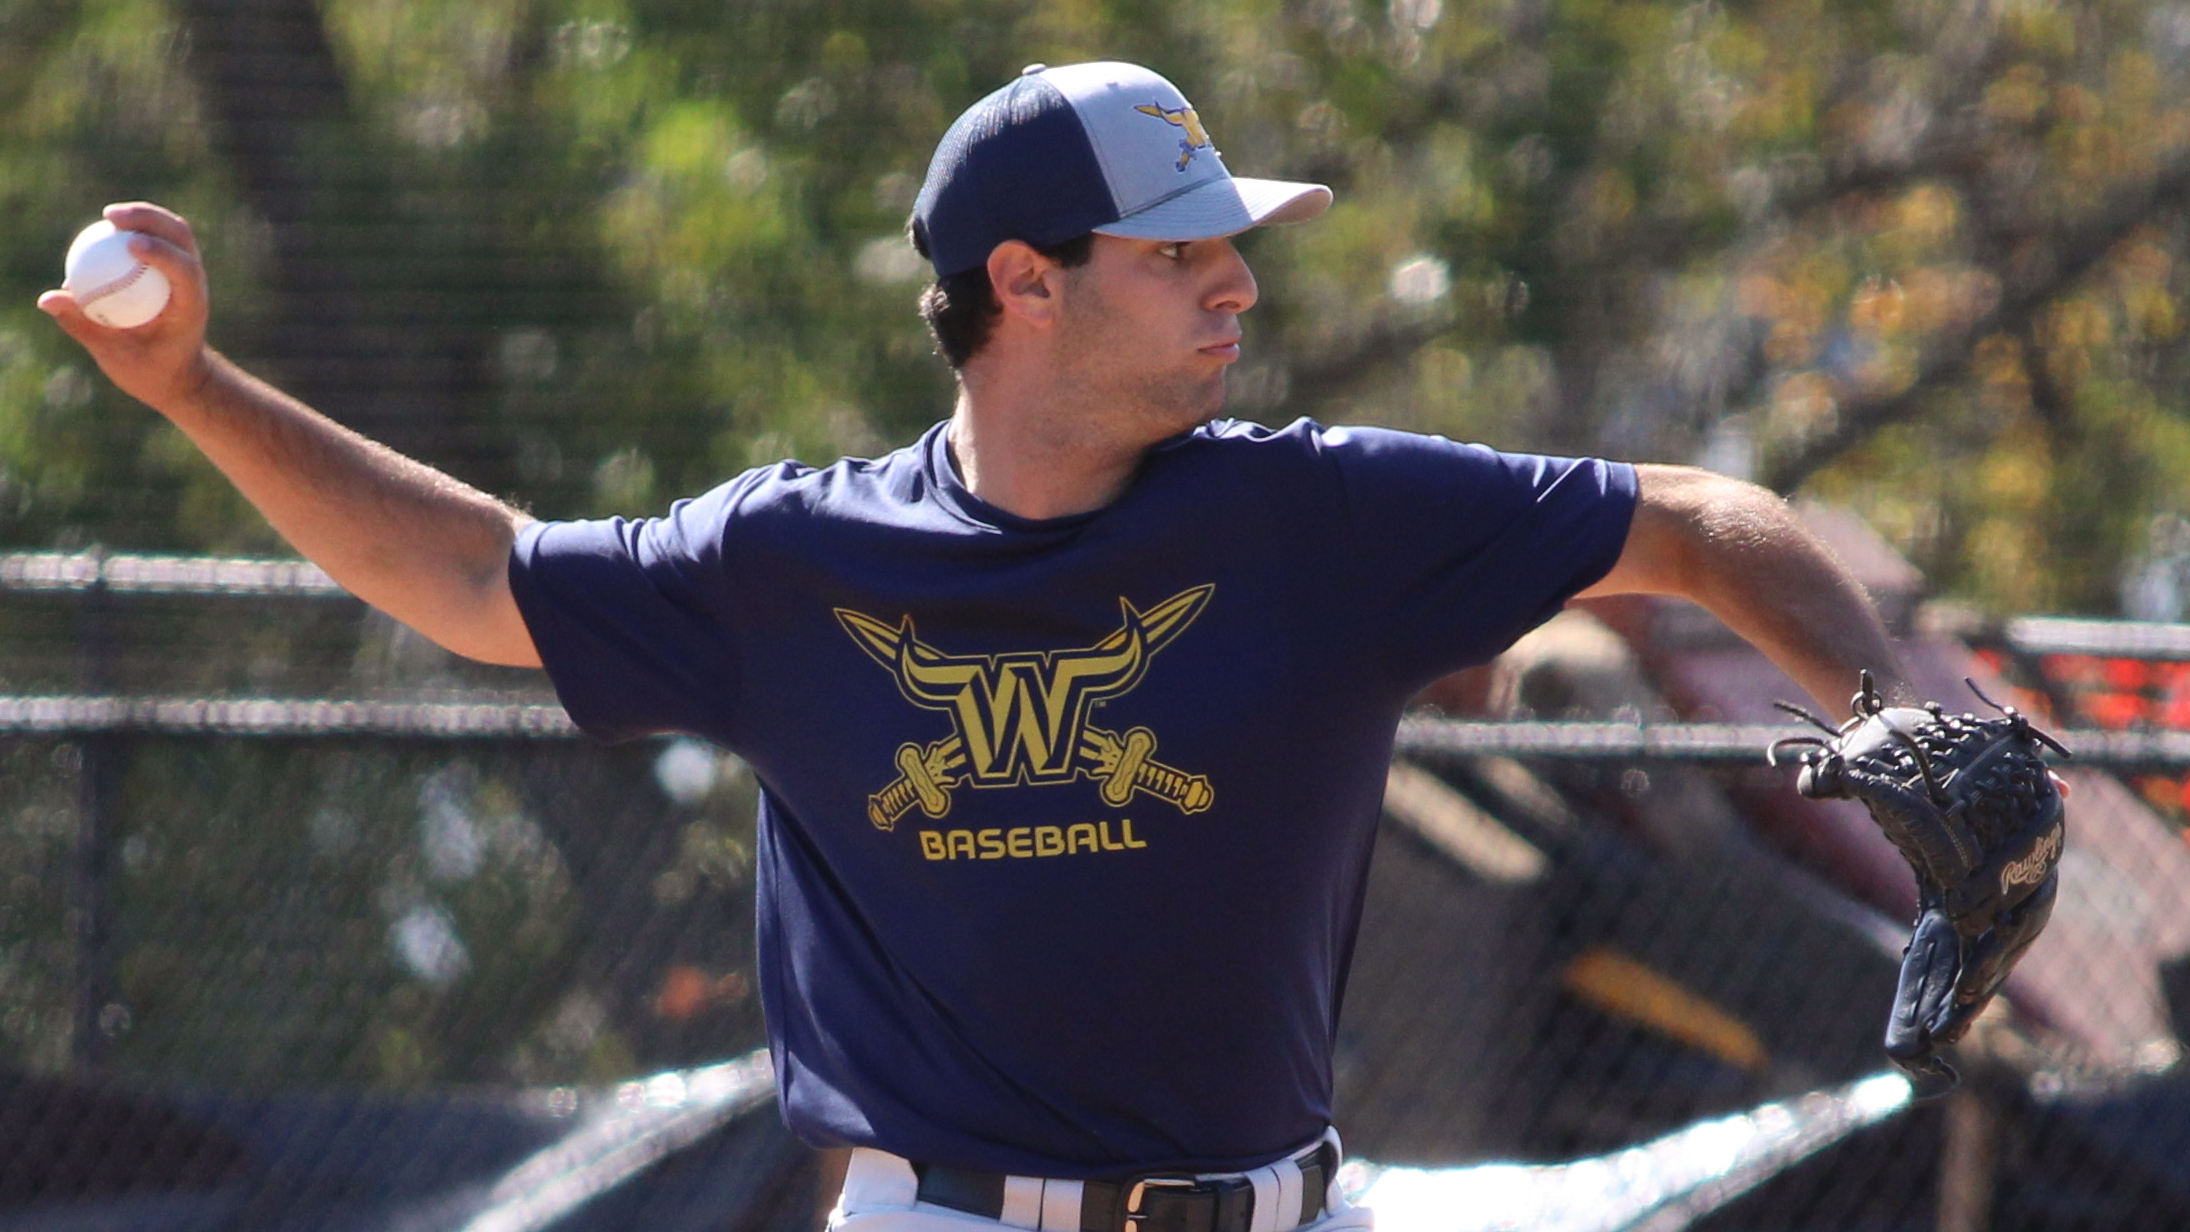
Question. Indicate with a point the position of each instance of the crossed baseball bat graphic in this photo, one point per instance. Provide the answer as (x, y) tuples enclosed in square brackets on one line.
[(1122, 764)]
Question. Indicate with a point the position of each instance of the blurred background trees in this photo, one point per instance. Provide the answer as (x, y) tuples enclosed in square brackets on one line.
[(1918, 257)]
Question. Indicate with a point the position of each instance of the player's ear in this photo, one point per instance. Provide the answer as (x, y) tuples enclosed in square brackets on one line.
[(1028, 285)]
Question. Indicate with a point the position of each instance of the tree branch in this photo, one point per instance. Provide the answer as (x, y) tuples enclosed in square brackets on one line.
[(357, 329), (2047, 277)]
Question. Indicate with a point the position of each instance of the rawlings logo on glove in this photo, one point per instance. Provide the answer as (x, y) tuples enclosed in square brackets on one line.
[(1972, 807)]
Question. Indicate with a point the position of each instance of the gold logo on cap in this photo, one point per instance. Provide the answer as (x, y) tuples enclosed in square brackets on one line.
[(1196, 138)]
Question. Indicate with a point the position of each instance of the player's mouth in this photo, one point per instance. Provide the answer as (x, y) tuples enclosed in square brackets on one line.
[(1227, 350)]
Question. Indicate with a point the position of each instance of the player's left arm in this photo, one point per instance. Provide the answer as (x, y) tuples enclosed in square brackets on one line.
[(1740, 552)]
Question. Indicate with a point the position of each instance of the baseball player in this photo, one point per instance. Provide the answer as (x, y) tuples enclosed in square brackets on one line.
[(1073, 715)]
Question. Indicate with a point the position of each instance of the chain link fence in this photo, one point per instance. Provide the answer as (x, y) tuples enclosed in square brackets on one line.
[(310, 925)]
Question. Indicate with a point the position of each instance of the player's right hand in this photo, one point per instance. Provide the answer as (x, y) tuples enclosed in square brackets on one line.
[(163, 361)]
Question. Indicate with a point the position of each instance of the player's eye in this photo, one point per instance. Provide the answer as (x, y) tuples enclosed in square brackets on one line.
[(1174, 251)]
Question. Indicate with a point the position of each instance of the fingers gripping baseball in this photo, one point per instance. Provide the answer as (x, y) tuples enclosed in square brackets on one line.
[(162, 359)]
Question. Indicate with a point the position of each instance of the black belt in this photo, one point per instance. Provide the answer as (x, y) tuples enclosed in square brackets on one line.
[(1151, 1202)]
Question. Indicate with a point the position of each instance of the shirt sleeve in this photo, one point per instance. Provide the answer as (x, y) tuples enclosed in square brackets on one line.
[(634, 619), (1459, 549)]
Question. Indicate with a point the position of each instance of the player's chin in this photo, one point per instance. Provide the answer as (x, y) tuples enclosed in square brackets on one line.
[(1187, 398), (1209, 397), (1181, 409)]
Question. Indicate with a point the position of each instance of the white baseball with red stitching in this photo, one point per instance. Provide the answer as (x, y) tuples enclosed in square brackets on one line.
[(110, 284)]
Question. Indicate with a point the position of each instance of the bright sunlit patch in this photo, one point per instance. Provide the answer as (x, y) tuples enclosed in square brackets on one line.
[(1880, 1094), (1680, 1176), (687, 770), (425, 938), (1422, 279), (614, 1139)]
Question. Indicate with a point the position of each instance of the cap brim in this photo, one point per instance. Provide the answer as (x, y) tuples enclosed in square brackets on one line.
[(1223, 206)]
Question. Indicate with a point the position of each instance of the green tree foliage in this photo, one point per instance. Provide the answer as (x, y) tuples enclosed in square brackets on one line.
[(1916, 256)]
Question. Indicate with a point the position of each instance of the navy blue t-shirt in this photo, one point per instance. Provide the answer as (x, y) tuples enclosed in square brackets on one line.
[(1065, 824)]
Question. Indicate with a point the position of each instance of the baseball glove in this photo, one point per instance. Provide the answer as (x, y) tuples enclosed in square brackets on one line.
[(1972, 807)]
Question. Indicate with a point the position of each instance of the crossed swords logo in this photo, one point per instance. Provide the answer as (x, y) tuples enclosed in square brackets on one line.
[(1022, 718)]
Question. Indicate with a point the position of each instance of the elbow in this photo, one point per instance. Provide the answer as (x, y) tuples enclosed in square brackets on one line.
[(499, 648)]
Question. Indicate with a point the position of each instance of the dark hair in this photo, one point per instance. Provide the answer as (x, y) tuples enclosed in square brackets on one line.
[(959, 308)]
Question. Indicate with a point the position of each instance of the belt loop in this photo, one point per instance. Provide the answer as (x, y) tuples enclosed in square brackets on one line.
[(1332, 1155), (1022, 1205), (1061, 1206), (878, 1178), (1272, 1212)]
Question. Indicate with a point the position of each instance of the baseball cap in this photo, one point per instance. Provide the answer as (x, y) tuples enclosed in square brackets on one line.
[(1108, 147)]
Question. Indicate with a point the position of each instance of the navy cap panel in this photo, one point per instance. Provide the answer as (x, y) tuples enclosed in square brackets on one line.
[(1016, 166)]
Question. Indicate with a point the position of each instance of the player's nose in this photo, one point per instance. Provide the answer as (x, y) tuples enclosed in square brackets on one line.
[(1232, 285)]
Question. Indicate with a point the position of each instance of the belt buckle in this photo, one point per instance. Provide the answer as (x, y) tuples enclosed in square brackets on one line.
[(1137, 1193)]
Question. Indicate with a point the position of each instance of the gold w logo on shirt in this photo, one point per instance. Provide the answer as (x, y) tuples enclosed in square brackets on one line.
[(1021, 718)]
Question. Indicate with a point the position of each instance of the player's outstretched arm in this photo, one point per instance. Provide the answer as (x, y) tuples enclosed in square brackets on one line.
[(428, 550), (1740, 552)]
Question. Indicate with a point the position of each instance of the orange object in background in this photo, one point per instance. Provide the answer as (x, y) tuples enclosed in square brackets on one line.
[(2129, 675), (2075, 671), (2159, 791), (1626, 987), (2174, 693), (2116, 710), (687, 990)]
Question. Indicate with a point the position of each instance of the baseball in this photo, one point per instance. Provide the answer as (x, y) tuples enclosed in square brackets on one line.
[(110, 284)]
